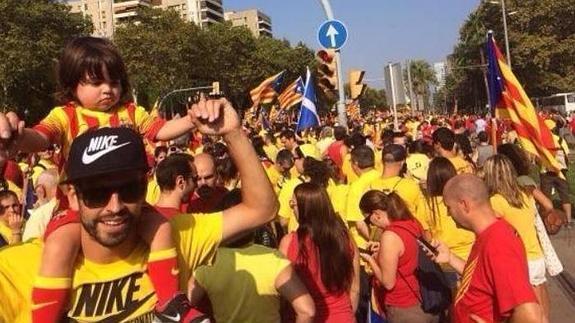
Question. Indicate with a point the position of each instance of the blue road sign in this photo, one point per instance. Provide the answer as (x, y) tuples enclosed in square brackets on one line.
[(332, 34)]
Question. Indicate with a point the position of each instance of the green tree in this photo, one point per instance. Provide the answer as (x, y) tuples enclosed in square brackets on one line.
[(33, 32), (542, 46), (164, 53), (373, 99), (422, 77)]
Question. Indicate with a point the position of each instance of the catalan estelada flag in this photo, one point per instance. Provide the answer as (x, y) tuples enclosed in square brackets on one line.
[(510, 101), (267, 91), (292, 95)]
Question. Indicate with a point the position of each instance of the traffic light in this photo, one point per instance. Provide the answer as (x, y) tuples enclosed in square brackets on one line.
[(327, 70), (356, 87)]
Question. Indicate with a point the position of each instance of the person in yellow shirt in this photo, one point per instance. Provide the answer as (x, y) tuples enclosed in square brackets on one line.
[(517, 208), (247, 281), (363, 162), (108, 199), (11, 220), (353, 141), (417, 162), (394, 157), (444, 145), (270, 147), (437, 222)]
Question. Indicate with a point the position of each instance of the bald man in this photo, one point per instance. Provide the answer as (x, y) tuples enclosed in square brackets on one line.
[(46, 188), (208, 195), (495, 280)]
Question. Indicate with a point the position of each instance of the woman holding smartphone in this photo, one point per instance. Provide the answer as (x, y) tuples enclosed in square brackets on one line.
[(395, 263)]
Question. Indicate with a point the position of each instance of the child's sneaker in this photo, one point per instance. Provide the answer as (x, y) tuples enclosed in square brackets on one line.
[(179, 309)]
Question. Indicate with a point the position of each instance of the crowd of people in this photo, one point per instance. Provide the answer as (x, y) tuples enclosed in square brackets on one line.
[(111, 214)]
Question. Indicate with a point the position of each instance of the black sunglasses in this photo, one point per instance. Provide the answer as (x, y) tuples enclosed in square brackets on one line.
[(95, 197)]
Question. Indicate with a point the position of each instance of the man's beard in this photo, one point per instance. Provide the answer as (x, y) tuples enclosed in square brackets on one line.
[(109, 239), (204, 192)]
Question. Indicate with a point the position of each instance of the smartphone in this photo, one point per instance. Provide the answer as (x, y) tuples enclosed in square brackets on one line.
[(427, 246)]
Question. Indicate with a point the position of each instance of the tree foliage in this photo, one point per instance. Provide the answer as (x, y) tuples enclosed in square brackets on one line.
[(164, 53), (373, 99), (422, 77), (33, 32), (542, 46)]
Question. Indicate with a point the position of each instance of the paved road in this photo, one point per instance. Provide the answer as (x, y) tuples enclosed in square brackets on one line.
[(563, 299)]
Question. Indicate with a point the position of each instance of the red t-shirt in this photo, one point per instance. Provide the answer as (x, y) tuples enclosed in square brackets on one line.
[(167, 212), (496, 278), (405, 293), (330, 307)]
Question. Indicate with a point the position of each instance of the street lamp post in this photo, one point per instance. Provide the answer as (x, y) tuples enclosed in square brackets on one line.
[(505, 32), (506, 35)]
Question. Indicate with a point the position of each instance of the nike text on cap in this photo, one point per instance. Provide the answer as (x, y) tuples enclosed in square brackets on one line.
[(105, 151)]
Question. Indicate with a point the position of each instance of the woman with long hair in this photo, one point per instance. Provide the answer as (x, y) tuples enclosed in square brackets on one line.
[(395, 263), (438, 224), (324, 255), (518, 208)]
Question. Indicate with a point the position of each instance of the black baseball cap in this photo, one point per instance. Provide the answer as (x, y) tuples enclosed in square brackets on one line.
[(394, 153), (104, 151)]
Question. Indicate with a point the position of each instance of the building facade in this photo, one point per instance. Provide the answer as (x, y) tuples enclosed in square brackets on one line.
[(201, 12), (256, 21), (107, 14)]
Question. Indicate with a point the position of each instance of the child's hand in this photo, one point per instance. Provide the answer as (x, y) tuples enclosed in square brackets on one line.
[(10, 127), (214, 117)]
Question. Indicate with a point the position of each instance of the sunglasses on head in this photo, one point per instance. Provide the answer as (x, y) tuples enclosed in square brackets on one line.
[(95, 197)]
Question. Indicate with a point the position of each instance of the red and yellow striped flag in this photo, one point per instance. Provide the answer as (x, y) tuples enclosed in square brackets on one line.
[(292, 95), (267, 91), (511, 102)]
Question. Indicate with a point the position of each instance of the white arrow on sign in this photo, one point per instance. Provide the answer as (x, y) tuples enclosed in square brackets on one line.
[(331, 33)]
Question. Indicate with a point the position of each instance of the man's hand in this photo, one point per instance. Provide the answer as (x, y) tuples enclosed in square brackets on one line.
[(214, 117), (15, 222), (443, 253)]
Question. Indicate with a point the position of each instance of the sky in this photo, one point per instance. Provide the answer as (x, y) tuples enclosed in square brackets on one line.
[(380, 31)]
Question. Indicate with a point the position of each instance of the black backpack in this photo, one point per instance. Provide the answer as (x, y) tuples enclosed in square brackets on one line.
[(434, 292)]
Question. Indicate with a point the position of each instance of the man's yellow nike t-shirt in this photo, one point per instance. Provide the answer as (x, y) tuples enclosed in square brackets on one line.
[(115, 292)]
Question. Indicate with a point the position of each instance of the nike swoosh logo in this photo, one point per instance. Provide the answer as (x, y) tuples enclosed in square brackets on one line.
[(129, 310), (175, 318), (88, 159), (42, 305)]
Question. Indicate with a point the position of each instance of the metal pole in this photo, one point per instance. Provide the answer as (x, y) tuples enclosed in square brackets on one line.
[(395, 122), (504, 12), (341, 113), (412, 101)]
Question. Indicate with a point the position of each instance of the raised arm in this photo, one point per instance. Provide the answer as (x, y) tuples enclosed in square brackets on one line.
[(259, 202)]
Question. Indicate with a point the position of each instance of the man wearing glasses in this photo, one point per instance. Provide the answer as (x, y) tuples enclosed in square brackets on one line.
[(107, 169), (11, 220)]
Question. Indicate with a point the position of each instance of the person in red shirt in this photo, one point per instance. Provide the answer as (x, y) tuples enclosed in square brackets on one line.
[(176, 177), (495, 279), (208, 195), (395, 264)]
